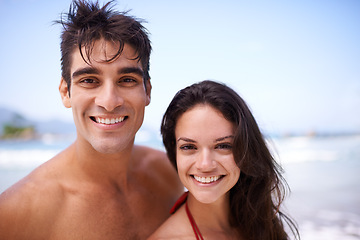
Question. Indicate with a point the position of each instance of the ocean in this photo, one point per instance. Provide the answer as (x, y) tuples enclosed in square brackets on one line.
[(322, 172)]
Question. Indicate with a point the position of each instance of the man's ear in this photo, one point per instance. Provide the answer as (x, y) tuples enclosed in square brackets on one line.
[(148, 91), (64, 93)]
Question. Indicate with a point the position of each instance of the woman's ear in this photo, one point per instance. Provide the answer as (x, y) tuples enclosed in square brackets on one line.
[(64, 93)]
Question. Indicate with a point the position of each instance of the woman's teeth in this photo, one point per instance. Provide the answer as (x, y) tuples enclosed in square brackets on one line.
[(206, 179)]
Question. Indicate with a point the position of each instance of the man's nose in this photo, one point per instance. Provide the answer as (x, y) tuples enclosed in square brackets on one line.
[(109, 97)]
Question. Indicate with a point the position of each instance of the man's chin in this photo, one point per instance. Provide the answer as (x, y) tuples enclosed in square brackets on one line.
[(110, 147)]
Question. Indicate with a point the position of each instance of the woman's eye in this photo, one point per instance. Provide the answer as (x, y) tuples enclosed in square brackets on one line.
[(226, 146), (187, 147)]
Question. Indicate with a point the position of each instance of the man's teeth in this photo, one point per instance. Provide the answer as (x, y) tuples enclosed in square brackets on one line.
[(109, 120), (206, 179)]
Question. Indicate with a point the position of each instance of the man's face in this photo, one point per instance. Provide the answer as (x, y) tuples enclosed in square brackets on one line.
[(108, 99)]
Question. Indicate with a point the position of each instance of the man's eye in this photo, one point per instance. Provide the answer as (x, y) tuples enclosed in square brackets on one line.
[(129, 82), (88, 80)]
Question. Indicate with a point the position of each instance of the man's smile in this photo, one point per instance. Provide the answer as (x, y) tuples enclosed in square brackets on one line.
[(108, 121)]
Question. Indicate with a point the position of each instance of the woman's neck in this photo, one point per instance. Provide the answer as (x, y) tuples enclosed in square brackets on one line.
[(211, 218)]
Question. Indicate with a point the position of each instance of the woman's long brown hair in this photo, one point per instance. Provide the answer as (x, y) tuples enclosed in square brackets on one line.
[(256, 198)]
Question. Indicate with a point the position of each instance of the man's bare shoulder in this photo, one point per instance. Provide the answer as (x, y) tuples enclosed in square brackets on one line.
[(40, 181), (149, 158), (36, 196), (155, 164), (149, 153)]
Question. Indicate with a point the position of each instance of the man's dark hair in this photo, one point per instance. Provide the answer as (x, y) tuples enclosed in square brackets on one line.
[(87, 22)]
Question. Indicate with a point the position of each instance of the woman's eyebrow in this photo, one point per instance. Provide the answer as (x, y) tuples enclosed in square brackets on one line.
[(216, 140), (186, 139), (223, 138)]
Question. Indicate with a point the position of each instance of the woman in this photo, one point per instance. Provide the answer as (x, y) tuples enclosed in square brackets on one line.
[(235, 186)]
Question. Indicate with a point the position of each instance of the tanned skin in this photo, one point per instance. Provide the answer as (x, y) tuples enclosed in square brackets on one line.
[(102, 186)]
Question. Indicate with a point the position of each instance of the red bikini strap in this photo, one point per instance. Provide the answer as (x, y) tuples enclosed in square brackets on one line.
[(193, 223), (179, 202)]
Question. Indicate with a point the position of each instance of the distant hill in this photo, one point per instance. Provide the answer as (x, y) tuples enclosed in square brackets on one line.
[(14, 118), (9, 116)]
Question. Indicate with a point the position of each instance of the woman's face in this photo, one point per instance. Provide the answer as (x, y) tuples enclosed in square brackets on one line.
[(205, 161)]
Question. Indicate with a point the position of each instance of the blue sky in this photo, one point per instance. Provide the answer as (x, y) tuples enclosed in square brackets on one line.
[(296, 63)]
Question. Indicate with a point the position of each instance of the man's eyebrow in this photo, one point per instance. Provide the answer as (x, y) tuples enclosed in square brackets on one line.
[(135, 70), (223, 138), (92, 70), (86, 70), (186, 139)]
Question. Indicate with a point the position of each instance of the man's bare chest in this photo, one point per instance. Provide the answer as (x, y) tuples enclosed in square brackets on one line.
[(100, 217)]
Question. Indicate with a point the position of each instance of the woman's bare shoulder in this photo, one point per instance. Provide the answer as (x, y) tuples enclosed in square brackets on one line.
[(177, 226)]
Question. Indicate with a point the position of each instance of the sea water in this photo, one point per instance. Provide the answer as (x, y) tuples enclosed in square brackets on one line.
[(322, 172), (18, 157), (324, 176)]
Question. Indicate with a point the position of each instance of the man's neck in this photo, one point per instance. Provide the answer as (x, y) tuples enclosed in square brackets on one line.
[(99, 167)]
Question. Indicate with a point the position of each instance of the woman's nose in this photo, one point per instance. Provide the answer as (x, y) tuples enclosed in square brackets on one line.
[(205, 162)]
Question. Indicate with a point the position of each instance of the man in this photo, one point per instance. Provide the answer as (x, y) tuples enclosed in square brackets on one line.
[(102, 186)]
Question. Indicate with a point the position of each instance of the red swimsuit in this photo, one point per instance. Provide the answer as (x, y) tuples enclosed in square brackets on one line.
[(177, 205)]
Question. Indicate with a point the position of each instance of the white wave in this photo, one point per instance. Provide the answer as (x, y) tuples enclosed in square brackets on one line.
[(310, 231), (308, 155), (331, 225), (24, 159), (286, 150), (305, 149)]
